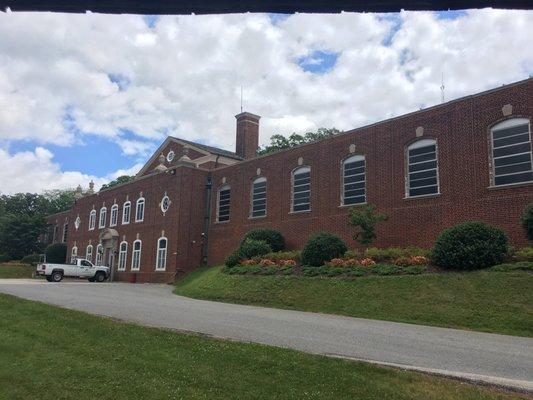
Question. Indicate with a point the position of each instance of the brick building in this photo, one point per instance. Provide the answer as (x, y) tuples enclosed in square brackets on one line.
[(467, 159)]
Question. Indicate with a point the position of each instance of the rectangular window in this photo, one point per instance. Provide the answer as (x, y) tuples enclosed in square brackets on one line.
[(259, 198), (422, 177), (301, 189), (354, 173), (161, 259), (114, 216), (136, 256), (126, 210), (122, 256), (92, 220), (139, 213), (511, 152), (65, 233), (103, 216), (224, 197)]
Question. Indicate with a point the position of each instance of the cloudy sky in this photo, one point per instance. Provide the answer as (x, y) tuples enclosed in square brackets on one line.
[(91, 96)]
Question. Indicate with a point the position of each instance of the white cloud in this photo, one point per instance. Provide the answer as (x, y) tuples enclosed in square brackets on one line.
[(184, 74)]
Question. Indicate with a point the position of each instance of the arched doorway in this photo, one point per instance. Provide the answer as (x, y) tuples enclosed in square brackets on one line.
[(109, 242)]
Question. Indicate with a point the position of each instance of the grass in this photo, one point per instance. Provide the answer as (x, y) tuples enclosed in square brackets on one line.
[(498, 302), (16, 270), (53, 353)]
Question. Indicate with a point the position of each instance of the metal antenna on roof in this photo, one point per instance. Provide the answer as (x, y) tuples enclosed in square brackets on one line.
[(442, 87), (241, 98)]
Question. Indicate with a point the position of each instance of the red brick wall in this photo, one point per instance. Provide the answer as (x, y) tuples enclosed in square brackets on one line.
[(461, 129)]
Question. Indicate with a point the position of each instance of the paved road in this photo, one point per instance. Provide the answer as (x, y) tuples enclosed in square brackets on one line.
[(499, 359)]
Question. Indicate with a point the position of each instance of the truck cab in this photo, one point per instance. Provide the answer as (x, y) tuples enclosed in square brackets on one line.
[(77, 268)]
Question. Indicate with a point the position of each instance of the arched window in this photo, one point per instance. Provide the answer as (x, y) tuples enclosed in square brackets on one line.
[(161, 260), (89, 253), (259, 198), (422, 176), (73, 254), (114, 215), (139, 210), (511, 152), (122, 256), (223, 203), (353, 180), (99, 254), (301, 189), (103, 217), (92, 220), (136, 255), (126, 211)]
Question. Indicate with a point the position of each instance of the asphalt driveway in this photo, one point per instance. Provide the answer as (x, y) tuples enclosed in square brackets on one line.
[(497, 359)]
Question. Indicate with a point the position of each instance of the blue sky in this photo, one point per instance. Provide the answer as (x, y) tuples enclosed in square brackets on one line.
[(85, 96)]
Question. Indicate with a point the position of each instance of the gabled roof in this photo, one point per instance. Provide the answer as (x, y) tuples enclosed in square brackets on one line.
[(210, 149)]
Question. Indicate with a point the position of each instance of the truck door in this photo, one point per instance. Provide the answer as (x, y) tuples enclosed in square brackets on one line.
[(85, 268)]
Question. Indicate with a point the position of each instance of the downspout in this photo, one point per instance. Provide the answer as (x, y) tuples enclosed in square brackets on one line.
[(207, 218)]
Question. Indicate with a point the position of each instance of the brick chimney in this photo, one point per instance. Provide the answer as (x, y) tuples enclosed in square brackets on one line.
[(247, 135)]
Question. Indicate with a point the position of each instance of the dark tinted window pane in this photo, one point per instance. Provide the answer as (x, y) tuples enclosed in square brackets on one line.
[(302, 188), (302, 207), (423, 166), (517, 178), (352, 193), (354, 179), (422, 157), (422, 150), (354, 171), (423, 182), (524, 138), (423, 191), (354, 200), (513, 160), (501, 133), (301, 200), (506, 151), (352, 186), (425, 174), (354, 164), (513, 168)]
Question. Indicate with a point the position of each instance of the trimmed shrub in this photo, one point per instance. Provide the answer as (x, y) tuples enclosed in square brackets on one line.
[(284, 255), (527, 221), (234, 259), (4, 258), (470, 245), (518, 266), (56, 253), (253, 248), (31, 259), (524, 254), (321, 248), (274, 238)]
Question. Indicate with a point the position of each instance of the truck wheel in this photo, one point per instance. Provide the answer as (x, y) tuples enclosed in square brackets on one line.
[(99, 277), (48, 278), (91, 279), (57, 276)]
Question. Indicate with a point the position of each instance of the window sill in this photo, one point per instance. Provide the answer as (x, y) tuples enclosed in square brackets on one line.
[(125, 223), (510, 185), (299, 212), (353, 205), (160, 270), (262, 216), (222, 222), (424, 196)]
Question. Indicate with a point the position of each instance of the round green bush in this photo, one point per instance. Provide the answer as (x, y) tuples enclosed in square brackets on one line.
[(321, 248), (31, 259), (248, 249), (56, 253), (527, 221), (274, 238), (4, 258), (470, 245)]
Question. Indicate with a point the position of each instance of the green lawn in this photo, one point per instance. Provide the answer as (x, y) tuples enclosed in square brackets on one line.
[(500, 302), (52, 353), (16, 270)]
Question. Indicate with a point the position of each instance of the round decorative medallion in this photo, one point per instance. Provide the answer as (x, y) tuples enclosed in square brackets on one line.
[(170, 156), (165, 204), (77, 223)]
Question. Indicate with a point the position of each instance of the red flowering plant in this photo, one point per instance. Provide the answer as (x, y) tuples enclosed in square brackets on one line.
[(249, 262), (352, 262), (265, 262), (367, 262), (286, 263), (419, 260)]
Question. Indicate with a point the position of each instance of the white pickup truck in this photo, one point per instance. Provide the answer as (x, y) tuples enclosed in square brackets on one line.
[(78, 268)]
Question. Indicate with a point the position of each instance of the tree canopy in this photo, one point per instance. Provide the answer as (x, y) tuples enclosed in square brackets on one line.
[(119, 181), (279, 142)]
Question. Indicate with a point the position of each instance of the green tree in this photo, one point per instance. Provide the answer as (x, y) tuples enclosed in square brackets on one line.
[(279, 142), (119, 181), (365, 219), (527, 221)]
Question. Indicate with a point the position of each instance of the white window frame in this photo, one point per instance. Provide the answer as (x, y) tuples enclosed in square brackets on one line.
[(220, 189), (139, 201), (258, 180), (92, 220), (99, 255), (102, 218), (73, 253), (414, 145), (509, 123), (77, 222), (134, 253), (127, 205), (347, 160), (64, 238), (297, 171), (161, 254), (165, 197), (122, 256), (89, 254), (114, 213)]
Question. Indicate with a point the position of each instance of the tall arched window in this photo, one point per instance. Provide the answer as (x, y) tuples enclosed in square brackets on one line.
[(139, 210), (99, 254), (223, 203), (126, 211), (122, 256), (161, 260), (73, 254), (353, 180), (136, 255), (259, 198), (301, 189), (92, 220), (114, 215), (422, 176), (511, 152), (103, 217), (89, 253)]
